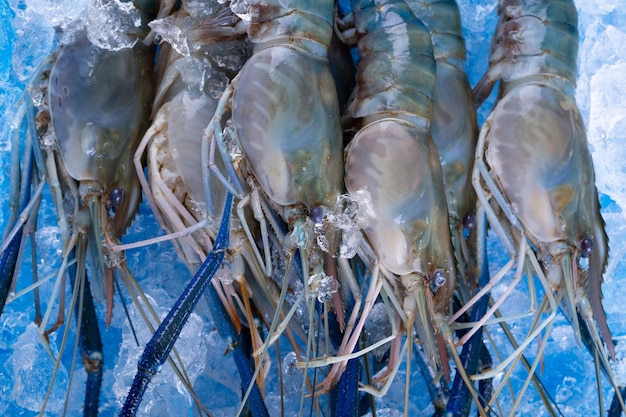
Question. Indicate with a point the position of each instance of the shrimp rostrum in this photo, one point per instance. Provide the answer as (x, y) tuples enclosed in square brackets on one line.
[(534, 174), (92, 107)]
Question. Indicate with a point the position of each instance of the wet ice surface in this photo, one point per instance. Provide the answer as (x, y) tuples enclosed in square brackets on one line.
[(27, 35)]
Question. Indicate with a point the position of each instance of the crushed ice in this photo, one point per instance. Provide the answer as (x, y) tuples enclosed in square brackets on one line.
[(112, 24)]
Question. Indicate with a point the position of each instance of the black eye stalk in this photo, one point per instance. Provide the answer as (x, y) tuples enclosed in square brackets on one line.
[(437, 280), (317, 214), (116, 197), (469, 220), (586, 247)]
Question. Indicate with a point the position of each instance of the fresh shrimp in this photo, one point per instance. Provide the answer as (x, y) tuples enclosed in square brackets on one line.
[(92, 106), (392, 165), (534, 168)]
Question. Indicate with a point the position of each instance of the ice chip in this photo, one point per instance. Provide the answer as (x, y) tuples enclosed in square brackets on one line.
[(596, 7), (338, 233), (568, 389), (377, 327), (193, 71), (199, 8), (292, 376), (349, 231), (169, 31), (301, 234), (231, 56), (348, 205), (350, 243), (365, 211), (618, 366), (322, 287), (242, 9), (216, 86), (320, 235)]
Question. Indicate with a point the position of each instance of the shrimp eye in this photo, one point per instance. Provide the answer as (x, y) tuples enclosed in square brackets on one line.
[(586, 247), (317, 214), (437, 280), (469, 220), (116, 196)]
